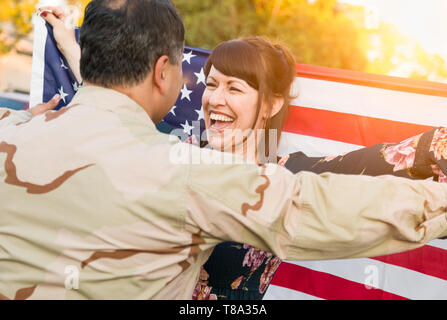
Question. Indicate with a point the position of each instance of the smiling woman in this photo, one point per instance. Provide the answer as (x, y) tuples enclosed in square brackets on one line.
[(245, 103), (245, 92), (246, 99), (229, 103)]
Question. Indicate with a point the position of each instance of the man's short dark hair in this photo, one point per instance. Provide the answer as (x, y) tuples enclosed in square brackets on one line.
[(121, 40)]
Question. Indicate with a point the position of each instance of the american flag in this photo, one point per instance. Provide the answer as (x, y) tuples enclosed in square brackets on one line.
[(51, 75), (336, 111)]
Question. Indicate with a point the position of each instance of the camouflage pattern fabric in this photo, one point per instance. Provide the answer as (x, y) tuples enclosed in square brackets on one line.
[(95, 203)]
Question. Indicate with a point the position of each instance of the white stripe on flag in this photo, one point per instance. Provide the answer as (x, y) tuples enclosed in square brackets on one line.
[(441, 244), (312, 146), (37, 72), (280, 293), (397, 280), (371, 102)]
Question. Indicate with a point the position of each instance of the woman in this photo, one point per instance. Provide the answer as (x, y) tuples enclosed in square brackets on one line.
[(248, 85), (247, 88)]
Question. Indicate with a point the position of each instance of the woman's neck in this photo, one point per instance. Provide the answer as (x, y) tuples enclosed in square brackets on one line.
[(248, 149)]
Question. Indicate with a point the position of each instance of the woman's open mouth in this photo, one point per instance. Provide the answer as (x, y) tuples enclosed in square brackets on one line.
[(220, 121)]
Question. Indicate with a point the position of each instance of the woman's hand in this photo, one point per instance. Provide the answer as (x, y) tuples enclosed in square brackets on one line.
[(64, 36), (44, 107)]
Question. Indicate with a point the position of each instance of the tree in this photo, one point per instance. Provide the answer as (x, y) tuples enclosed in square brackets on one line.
[(209, 22), (399, 55), (317, 33), (15, 22)]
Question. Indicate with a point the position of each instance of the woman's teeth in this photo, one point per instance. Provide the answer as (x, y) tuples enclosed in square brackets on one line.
[(220, 117)]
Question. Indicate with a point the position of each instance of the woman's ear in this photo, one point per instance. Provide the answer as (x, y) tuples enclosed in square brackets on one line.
[(277, 103)]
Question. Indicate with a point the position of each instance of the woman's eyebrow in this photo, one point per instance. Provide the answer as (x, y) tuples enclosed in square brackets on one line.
[(231, 81)]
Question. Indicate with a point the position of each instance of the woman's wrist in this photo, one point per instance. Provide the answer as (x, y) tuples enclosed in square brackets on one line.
[(71, 52), (73, 56)]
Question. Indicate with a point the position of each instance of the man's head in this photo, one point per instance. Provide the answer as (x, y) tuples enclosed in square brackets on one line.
[(123, 42)]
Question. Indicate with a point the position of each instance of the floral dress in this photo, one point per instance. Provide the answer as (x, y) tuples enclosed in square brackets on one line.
[(237, 271)]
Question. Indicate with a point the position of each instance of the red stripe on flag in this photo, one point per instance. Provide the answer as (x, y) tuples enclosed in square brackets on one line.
[(428, 260), (326, 286), (358, 130)]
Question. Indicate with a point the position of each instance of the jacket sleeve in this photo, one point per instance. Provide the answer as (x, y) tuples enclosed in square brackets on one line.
[(308, 216), (10, 117)]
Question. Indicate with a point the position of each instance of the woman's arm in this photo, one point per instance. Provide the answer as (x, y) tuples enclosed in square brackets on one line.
[(65, 38), (10, 117), (311, 217), (419, 157)]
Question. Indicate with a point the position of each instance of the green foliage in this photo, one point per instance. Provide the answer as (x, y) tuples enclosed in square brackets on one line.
[(15, 22), (209, 22), (318, 32)]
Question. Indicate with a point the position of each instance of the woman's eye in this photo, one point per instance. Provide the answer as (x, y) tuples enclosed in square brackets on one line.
[(211, 85), (235, 89)]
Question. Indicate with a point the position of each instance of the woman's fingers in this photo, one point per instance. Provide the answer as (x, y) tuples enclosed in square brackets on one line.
[(52, 19), (283, 160), (56, 11), (64, 35), (44, 107)]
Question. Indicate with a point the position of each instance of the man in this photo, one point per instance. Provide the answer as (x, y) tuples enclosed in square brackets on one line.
[(96, 203)]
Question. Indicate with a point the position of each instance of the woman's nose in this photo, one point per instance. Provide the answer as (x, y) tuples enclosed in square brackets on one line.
[(217, 97)]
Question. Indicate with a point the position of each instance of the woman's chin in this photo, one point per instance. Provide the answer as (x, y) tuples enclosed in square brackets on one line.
[(217, 143), (231, 145)]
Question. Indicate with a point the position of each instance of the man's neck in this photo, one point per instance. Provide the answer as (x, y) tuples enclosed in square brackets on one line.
[(139, 93)]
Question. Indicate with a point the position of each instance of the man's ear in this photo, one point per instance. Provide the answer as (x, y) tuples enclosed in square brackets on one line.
[(160, 71), (277, 103)]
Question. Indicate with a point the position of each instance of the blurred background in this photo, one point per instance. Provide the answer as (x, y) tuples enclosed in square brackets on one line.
[(405, 38)]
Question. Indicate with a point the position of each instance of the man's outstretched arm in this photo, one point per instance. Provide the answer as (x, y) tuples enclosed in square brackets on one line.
[(314, 217)]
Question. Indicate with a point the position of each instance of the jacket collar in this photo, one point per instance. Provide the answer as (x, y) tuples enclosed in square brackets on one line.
[(112, 100)]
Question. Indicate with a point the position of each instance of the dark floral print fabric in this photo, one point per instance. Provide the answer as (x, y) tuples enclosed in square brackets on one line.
[(420, 157), (236, 271)]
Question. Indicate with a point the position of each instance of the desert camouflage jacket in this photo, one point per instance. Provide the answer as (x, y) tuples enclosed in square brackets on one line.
[(95, 203)]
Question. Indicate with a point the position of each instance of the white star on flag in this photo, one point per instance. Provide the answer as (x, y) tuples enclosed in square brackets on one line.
[(172, 110), (187, 57), (62, 93), (187, 128), (63, 66), (185, 93), (75, 86), (200, 77), (200, 113)]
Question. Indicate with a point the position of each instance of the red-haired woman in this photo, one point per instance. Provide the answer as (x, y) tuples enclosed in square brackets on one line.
[(247, 99)]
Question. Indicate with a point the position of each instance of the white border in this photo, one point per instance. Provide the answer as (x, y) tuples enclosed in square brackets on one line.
[(38, 67)]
